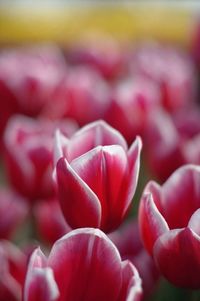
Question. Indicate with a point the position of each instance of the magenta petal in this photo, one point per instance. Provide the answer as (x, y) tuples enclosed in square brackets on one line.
[(194, 222), (103, 169), (152, 223), (131, 283), (181, 190), (79, 203), (92, 135), (178, 258), (134, 167), (87, 266)]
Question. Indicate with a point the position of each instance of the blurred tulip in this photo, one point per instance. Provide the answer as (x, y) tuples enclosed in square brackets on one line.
[(12, 269), (98, 179), (172, 141), (102, 53), (13, 211), (132, 102), (83, 95), (29, 154), (82, 265), (171, 69), (49, 220), (28, 76), (128, 242), (169, 222)]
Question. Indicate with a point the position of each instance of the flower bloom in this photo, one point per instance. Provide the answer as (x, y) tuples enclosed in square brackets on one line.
[(96, 179), (12, 269), (82, 265), (13, 211), (171, 69), (169, 222), (29, 155)]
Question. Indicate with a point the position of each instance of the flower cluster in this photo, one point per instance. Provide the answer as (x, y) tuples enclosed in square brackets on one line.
[(90, 133)]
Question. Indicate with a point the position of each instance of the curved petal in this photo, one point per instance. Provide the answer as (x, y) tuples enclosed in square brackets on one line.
[(79, 203), (60, 146), (131, 283), (181, 196), (151, 222), (87, 266), (194, 222), (178, 258), (92, 135), (103, 169)]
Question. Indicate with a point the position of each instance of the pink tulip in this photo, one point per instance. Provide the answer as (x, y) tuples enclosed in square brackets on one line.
[(29, 154), (169, 222), (97, 179), (13, 211), (171, 69), (82, 265)]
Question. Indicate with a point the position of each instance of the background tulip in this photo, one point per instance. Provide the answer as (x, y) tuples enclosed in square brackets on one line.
[(169, 223)]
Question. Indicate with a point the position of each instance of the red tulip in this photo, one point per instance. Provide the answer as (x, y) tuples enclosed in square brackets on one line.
[(49, 220), (29, 75), (12, 269), (82, 265), (172, 141), (82, 95), (128, 242), (131, 103), (171, 69), (169, 222), (13, 211), (29, 154), (100, 183)]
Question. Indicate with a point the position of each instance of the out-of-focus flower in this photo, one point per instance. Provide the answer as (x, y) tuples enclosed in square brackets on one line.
[(131, 103), (102, 53), (13, 211), (83, 95), (128, 242), (172, 141), (96, 176), (84, 264), (29, 154), (172, 69), (169, 222), (29, 75), (12, 270), (49, 220)]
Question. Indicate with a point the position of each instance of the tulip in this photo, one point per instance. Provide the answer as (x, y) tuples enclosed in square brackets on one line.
[(82, 95), (13, 211), (169, 223), (128, 242), (172, 141), (171, 69), (82, 265), (29, 155), (100, 182), (131, 103), (12, 269)]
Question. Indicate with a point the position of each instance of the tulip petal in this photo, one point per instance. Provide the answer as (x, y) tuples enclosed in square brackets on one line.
[(134, 167), (177, 256), (79, 203), (87, 266), (152, 223), (181, 190), (92, 135), (194, 222), (131, 283), (103, 169)]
